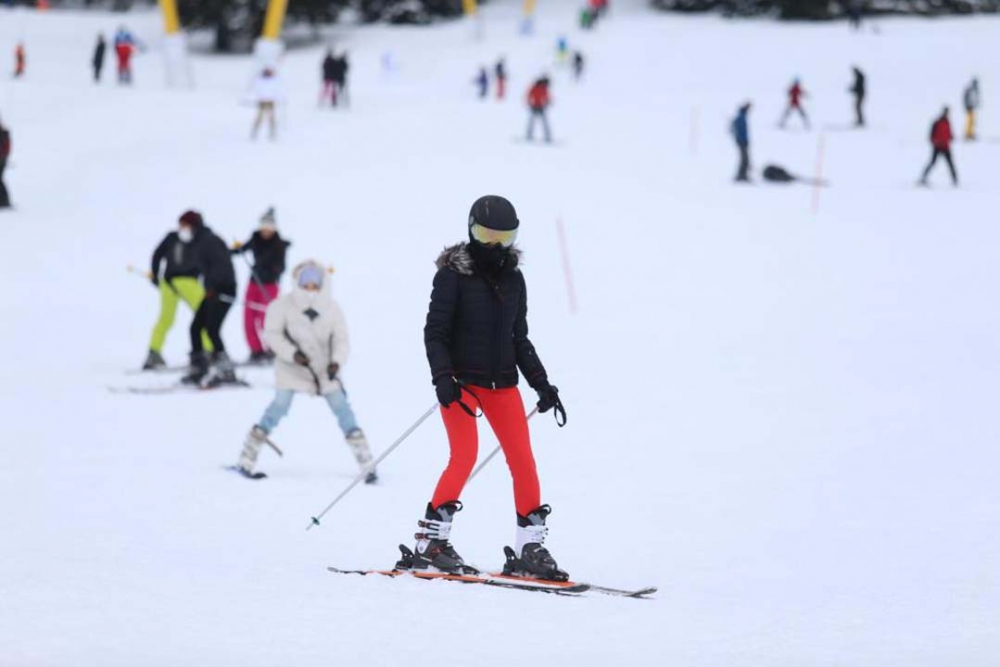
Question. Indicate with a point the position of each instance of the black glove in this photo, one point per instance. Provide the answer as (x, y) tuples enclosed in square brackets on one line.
[(548, 398), (300, 358), (447, 390), (332, 370)]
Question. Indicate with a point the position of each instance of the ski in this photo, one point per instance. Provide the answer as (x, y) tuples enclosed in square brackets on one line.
[(167, 370), (558, 588), (176, 388), (249, 475), (604, 590)]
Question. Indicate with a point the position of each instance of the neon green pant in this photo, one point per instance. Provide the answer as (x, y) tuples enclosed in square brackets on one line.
[(188, 289)]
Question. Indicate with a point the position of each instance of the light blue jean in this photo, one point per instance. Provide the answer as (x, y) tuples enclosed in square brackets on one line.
[(282, 402)]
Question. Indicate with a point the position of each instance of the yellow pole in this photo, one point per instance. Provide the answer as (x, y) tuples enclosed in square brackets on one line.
[(171, 19), (469, 6), (274, 18)]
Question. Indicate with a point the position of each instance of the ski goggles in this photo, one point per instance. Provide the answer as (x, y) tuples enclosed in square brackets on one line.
[(488, 236), (311, 275)]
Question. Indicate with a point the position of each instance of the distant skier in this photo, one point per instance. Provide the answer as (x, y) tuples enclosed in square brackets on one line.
[(578, 64), (266, 94), (308, 333), (329, 91), (20, 60), (5, 148), (482, 82), (538, 103), (795, 97), (269, 251), (211, 256), (178, 282), (476, 338), (972, 102), (740, 130), (858, 90), (340, 74), (854, 13), (97, 62), (500, 74), (125, 47), (941, 137), (562, 49)]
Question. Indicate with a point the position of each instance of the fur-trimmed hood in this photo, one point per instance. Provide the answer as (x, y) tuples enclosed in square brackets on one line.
[(459, 259)]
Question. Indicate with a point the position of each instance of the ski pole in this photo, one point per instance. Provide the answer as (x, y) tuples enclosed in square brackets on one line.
[(374, 464), (495, 451), (234, 301)]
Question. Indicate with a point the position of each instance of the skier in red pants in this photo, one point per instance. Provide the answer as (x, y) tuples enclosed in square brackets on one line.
[(268, 250), (476, 338)]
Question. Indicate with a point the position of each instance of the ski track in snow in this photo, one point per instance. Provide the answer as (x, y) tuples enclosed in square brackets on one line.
[(785, 421)]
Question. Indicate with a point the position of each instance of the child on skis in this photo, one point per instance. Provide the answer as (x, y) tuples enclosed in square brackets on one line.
[(307, 331), (476, 339), (795, 96)]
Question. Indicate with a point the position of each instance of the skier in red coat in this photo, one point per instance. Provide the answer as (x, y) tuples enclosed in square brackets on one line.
[(538, 101), (477, 345), (795, 96), (941, 137)]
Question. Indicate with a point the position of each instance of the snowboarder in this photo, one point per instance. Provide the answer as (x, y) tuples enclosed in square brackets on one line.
[(308, 333), (500, 74), (538, 102), (482, 82), (578, 63), (211, 257), (266, 94), (179, 282), (20, 60), (329, 91), (941, 137), (741, 135), (795, 96), (98, 60), (858, 90), (476, 337), (972, 102), (268, 250), (124, 49), (5, 148)]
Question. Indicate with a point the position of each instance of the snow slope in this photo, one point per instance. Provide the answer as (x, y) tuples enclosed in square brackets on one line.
[(785, 420)]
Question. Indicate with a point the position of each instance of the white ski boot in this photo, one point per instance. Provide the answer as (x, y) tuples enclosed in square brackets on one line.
[(531, 558), (358, 443)]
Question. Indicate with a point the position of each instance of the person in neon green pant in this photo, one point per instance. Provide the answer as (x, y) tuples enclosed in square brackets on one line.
[(179, 283)]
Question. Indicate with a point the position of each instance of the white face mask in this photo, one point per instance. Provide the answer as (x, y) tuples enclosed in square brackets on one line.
[(307, 297), (185, 234)]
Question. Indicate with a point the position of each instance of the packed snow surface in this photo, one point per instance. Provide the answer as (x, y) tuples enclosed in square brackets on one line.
[(782, 409)]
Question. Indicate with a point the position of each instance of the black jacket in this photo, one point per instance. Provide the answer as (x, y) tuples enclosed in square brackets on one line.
[(268, 256), (179, 256), (99, 53), (329, 68), (211, 256), (477, 328)]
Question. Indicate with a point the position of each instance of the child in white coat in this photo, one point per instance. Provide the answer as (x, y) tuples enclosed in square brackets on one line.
[(308, 334)]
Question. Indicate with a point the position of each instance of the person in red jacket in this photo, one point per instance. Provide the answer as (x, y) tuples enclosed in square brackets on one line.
[(20, 59), (538, 101), (941, 137), (795, 96), (4, 154)]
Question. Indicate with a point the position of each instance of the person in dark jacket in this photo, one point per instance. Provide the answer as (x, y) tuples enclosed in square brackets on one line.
[(476, 337), (538, 103), (341, 66), (858, 90), (211, 257), (741, 135), (268, 250), (97, 62), (329, 91), (941, 137), (177, 282), (6, 145), (482, 82), (578, 64)]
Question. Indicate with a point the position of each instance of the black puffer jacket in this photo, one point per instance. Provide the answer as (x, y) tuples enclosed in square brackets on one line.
[(211, 256), (268, 256), (179, 255), (477, 328)]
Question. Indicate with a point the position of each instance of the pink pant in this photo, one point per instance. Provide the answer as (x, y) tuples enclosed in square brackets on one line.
[(253, 312)]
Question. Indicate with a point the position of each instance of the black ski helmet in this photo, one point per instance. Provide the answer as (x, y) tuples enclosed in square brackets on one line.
[(493, 212)]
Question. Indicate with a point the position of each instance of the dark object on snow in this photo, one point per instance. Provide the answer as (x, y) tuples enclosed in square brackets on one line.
[(5, 147), (776, 174)]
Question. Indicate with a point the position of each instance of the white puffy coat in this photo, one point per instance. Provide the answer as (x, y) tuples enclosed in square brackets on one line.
[(318, 330), (267, 89)]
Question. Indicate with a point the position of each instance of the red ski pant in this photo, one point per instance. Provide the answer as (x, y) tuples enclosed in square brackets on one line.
[(254, 310), (504, 410)]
